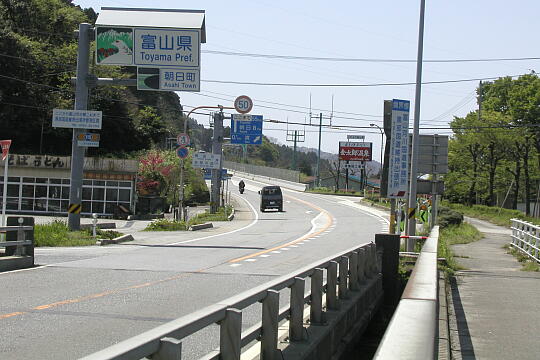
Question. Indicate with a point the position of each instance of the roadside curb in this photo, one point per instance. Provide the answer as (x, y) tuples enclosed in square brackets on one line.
[(201, 226), (230, 217), (120, 239)]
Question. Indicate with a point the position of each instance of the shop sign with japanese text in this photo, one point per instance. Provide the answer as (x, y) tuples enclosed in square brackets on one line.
[(355, 151)]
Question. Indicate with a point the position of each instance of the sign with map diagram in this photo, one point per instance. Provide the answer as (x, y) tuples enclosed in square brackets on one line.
[(114, 45)]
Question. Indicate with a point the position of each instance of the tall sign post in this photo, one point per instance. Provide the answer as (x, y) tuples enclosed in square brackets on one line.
[(216, 150), (5, 151), (411, 225), (77, 152)]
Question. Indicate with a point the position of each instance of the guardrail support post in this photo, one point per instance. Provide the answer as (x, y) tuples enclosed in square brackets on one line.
[(296, 326), (169, 349), (353, 281), (270, 313), (19, 250), (390, 262), (331, 284), (361, 265), (316, 296), (230, 335), (343, 272)]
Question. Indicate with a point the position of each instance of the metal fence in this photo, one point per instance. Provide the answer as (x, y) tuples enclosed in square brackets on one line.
[(526, 238), (413, 330), (284, 174), (350, 278)]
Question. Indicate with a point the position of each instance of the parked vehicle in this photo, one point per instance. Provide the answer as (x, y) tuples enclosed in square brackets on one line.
[(271, 198)]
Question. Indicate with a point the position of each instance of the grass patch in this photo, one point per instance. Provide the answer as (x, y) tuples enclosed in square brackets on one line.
[(170, 225), (527, 264), (325, 190), (57, 233), (166, 225), (451, 235), (492, 214)]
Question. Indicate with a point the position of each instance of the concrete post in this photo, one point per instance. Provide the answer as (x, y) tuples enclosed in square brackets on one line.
[(316, 296), (169, 349), (216, 149), (331, 284), (230, 335), (361, 265), (343, 271), (353, 281), (81, 103), (270, 313), (390, 262), (296, 327)]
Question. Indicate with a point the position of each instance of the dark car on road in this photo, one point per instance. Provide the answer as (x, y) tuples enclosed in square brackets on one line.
[(271, 198)]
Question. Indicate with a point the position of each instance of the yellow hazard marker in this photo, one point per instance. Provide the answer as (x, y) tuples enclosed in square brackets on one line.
[(74, 208), (412, 211)]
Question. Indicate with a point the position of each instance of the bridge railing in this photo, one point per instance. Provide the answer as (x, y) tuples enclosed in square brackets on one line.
[(349, 274), (21, 246), (413, 330), (526, 238)]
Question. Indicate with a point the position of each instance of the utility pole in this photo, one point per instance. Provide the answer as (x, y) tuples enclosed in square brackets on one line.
[(319, 153), (81, 103), (217, 141), (480, 101), (295, 136), (411, 228)]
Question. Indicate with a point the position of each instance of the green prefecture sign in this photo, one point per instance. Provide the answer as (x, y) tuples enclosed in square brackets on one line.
[(148, 47)]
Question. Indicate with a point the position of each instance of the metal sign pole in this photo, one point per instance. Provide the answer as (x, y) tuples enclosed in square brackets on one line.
[(4, 196), (81, 103), (411, 229), (216, 149)]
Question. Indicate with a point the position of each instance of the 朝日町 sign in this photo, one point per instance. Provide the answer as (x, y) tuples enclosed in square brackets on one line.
[(398, 172), (355, 151)]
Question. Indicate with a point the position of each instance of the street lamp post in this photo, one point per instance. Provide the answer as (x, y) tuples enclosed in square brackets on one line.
[(382, 143)]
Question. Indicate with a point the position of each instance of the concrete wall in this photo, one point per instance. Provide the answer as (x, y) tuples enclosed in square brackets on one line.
[(284, 174)]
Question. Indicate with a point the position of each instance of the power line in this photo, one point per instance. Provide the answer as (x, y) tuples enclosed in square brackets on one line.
[(351, 85), (374, 60)]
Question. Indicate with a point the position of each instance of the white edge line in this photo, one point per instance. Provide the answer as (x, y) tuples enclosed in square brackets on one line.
[(228, 232)]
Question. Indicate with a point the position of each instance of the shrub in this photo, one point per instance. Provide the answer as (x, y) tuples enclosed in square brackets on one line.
[(448, 217), (166, 225)]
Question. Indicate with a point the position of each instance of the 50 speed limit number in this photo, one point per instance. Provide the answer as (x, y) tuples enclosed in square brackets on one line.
[(243, 104)]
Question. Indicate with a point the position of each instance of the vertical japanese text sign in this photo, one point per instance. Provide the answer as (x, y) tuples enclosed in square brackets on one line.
[(398, 171)]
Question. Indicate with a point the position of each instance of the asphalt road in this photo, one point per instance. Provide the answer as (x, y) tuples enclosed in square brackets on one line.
[(84, 299)]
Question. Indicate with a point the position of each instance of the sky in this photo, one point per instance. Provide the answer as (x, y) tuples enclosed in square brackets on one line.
[(383, 29)]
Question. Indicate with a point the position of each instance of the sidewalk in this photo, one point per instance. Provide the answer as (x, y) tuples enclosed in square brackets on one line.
[(496, 306)]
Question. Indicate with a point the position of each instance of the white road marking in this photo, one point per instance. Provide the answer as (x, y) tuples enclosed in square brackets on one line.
[(276, 252), (264, 255), (294, 246), (250, 260), (235, 265), (285, 249), (225, 233)]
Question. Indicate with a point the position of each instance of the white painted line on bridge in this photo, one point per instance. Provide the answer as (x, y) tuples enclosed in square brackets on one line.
[(250, 260), (264, 256), (276, 252), (235, 265)]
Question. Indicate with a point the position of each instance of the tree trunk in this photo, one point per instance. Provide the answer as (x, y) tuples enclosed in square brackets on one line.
[(517, 176), (525, 152), (473, 150), (492, 168)]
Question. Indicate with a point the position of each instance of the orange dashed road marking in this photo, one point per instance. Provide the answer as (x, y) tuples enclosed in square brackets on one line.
[(146, 284)]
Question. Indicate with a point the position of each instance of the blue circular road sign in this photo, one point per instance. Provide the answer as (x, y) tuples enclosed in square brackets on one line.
[(182, 152)]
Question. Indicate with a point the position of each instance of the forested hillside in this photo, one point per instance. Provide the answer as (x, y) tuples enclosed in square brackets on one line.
[(38, 53)]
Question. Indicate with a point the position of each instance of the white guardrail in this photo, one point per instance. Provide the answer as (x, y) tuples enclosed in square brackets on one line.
[(526, 238), (413, 330), (331, 310)]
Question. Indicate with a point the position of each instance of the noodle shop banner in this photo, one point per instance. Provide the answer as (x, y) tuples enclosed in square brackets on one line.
[(355, 151)]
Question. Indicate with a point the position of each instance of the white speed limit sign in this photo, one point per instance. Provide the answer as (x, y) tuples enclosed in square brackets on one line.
[(243, 104)]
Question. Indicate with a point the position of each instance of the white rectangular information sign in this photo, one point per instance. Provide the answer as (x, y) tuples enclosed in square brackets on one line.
[(398, 172), (79, 119), (204, 160)]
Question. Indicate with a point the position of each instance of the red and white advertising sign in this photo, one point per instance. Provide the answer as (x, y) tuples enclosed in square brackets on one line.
[(355, 151), (5, 148)]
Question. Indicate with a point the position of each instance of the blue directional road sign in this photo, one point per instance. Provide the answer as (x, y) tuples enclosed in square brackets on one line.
[(246, 129), (208, 174)]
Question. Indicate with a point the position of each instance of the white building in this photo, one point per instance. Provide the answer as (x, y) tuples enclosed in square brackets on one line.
[(39, 184)]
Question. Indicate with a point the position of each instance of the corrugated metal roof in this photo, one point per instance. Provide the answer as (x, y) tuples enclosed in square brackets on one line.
[(161, 18)]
